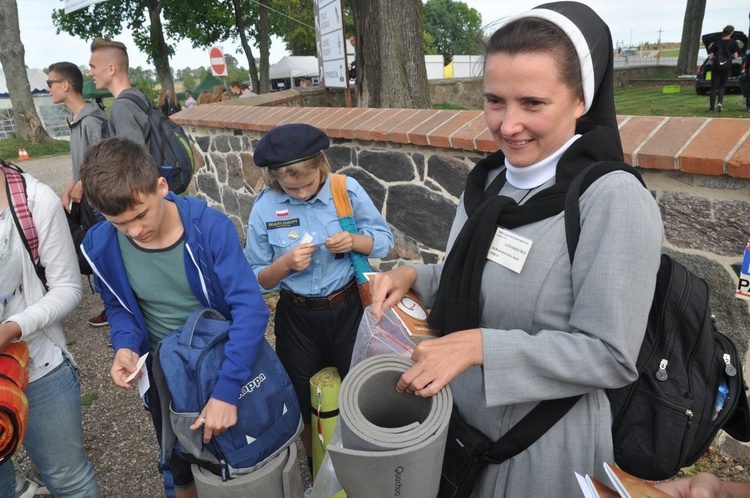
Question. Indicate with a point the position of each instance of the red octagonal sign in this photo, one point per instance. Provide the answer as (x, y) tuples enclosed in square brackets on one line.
[(218, 64)]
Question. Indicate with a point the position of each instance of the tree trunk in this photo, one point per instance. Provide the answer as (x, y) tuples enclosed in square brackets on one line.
[(12, 54), (159, 46), (391, 69), (240, 23), (265, 48), (690, 44)]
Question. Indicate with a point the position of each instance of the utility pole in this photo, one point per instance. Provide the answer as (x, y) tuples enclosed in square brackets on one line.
[(658, 45)]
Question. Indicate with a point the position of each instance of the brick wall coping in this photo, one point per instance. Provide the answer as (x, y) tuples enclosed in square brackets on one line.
[(701, 145)]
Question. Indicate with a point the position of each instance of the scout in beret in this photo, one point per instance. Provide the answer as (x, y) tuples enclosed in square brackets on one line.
[(296, 245)]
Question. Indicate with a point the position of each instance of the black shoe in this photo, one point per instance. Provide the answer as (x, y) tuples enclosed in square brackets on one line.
[(710, 110)]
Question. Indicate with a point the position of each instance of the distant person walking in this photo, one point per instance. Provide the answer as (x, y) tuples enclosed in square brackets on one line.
[(721, 52), (189, 100)]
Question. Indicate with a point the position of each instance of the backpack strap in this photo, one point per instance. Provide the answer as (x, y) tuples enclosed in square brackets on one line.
[(578, 186), (346, 218), (530, 428), (144, 106), (15, 189)]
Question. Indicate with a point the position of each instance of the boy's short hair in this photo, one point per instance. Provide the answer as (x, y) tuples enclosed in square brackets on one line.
[(728, 30), (235, 84), (118, 50), (115, 173), (69, 72)]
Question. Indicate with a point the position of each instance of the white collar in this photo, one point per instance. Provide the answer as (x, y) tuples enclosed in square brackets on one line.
[(539, 173)]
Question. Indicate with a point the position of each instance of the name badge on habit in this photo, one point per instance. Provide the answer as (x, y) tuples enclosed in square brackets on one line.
[(509, 249)]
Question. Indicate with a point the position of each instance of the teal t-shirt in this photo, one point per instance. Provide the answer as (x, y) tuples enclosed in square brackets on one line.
[(160, 284)]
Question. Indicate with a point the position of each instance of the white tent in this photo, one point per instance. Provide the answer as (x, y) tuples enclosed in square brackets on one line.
[(294, 66), (37, 82), (52, 116)]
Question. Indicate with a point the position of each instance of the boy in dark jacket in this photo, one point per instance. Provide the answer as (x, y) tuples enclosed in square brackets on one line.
[(157, 258)]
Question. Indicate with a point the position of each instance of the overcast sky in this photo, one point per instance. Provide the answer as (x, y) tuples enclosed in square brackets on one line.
[(631, 22)]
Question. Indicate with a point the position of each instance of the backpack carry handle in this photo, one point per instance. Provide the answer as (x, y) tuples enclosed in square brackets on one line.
[(186, 335)]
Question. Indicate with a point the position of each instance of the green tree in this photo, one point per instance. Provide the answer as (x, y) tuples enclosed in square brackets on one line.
[(142, 17), (208, 23), (299, 26), (144, 80), (454, 28)]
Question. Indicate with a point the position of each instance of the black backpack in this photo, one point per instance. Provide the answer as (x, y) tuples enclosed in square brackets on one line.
[(169, 146), (669, 416)]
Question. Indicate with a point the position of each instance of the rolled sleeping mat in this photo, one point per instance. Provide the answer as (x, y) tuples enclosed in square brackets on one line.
[(392, 443), (324, 404), (280, 477)]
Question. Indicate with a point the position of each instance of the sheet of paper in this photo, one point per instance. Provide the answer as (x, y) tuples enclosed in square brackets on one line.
[(587, 491), (143, 383), (306, 239), (630, 486), (138, 366)]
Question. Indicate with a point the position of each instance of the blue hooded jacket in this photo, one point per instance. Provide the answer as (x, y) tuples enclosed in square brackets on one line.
[(218, 274)]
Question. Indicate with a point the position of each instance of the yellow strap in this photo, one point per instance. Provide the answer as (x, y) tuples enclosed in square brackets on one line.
[(340, 196)]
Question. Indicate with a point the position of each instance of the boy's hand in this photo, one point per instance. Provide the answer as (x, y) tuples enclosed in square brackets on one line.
[(341, 242), (124, 364), (300, 257), (216, 417)]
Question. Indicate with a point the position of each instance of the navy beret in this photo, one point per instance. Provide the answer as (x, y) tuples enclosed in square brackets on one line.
[(289, 144)]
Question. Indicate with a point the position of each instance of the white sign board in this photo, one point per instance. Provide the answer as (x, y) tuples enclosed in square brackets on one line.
[(329, 38), (73, 5)]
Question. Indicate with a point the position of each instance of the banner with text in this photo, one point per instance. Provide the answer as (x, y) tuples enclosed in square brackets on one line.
[(329, 38), (73, 5)]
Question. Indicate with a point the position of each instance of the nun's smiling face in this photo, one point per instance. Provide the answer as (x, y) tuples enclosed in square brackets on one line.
[(529, 110)]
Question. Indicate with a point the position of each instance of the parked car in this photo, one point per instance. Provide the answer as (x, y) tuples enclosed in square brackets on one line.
[(703, 74)]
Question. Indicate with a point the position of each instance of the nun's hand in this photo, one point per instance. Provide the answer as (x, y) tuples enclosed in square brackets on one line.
[(389, 287), (439, 361)]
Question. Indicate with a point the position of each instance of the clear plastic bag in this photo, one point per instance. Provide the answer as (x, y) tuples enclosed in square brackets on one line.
[(389, 336)]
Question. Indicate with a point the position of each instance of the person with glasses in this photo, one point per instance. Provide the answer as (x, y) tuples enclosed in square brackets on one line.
[(65, 85)]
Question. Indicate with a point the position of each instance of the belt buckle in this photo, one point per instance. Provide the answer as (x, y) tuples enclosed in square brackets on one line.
[(299, 301)]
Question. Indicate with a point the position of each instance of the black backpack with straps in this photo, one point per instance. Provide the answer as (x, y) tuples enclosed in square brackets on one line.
[(669, 416), (169, 145)]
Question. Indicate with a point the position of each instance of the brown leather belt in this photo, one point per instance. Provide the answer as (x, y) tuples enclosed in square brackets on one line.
[(322, 303)]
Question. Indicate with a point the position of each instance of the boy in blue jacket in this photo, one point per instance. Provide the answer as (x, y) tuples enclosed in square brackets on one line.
[(157, 258)]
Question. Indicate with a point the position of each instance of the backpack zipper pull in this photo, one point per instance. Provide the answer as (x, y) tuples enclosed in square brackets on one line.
[(661, 374), (728, 367)]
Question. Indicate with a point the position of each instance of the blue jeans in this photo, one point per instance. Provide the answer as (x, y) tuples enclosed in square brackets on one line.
[(54, 437)]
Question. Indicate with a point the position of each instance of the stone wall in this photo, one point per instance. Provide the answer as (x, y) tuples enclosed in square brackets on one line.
[(413, 163)]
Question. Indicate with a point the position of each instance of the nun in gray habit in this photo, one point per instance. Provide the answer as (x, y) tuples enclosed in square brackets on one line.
[(522, 323)]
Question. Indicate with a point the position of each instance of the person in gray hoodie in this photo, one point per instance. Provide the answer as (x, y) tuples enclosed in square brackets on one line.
[(87, 126), (108, 66), (65, 85)]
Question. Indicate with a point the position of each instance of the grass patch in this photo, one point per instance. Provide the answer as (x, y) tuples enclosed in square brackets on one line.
[(88, 399), (650, 101), (448, 106), (9, 148)]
